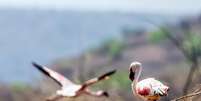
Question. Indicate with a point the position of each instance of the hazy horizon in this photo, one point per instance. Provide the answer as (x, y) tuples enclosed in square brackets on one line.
[(142, 6)]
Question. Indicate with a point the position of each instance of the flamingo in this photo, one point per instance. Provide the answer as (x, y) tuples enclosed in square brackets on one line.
[(148, 89), (70, 89)]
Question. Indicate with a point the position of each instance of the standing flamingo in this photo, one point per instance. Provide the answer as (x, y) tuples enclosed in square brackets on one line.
[(70, 89), (148, 89)]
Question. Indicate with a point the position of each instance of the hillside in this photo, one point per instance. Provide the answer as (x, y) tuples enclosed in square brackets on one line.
[(42, 35)]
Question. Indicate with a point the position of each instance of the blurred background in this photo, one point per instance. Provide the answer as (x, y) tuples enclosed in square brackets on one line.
[(82, 39)]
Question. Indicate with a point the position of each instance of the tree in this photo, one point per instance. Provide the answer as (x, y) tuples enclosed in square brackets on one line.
[(187, 41)]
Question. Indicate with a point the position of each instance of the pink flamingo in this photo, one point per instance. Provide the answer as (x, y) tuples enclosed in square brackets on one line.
[(70, 89), (148, 89)]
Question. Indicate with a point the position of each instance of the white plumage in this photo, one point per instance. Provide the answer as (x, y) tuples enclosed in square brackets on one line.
[(148, 89), (70, 89)]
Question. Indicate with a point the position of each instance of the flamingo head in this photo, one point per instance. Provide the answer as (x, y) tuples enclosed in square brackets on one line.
[(133, 67)]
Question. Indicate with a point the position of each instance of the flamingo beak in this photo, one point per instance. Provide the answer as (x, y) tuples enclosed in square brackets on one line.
[(133, 68), (131, 74)]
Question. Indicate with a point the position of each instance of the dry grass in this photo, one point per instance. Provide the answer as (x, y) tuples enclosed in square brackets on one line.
[(190, 96)]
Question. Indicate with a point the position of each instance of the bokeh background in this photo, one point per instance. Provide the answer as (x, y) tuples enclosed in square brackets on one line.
[(82, 39)]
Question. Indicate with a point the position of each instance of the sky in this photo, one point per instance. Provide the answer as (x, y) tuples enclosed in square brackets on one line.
[(141, 6), (145, 6)]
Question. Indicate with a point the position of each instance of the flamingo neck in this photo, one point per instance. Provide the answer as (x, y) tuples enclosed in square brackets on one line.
[(139, 71)]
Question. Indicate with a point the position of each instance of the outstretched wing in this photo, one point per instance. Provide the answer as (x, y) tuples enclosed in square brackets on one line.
[(60, 79), (97, 79)]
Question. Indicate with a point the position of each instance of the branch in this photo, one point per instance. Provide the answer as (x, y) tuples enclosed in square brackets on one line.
[(177, 43), (187, 96), (196, 92)]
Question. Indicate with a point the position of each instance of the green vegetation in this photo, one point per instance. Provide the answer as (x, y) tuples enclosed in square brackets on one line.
[(192, 44), (158, 35), (118, 81), (121, 81), (17, 86), (113, 48), (188, 42)]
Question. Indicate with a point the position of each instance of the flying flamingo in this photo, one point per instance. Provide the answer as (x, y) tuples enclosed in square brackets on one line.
[(148, 89), (70, 89)]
